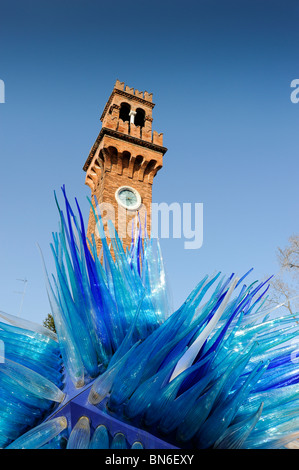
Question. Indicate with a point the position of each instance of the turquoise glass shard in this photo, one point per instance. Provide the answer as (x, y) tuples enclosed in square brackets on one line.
[(126, 371)]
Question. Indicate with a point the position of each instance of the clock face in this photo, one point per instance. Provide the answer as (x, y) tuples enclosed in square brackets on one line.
[(128, 197)]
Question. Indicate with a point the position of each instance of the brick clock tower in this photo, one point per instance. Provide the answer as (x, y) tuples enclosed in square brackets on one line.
[(123, 161)]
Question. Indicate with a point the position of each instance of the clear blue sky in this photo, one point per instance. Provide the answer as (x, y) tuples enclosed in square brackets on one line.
[(220, 73)]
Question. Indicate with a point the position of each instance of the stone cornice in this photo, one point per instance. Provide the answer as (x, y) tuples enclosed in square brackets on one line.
[(126, 95), (119, 135)]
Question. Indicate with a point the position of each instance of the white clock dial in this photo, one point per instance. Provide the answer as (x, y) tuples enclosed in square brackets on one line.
[(128, 197)]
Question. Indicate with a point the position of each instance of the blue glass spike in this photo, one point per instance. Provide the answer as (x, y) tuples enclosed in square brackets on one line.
[(202, 407), (72, 243), (208, 434), (26, 325), (37, 437), (80, 434), (31, 381), (243, 277), (128, 379), (71, 358), (119, 441), (273, 436), (58, 442), (128, 339), (235, 308), (244, 358), (235, 435), (100, 438), (137, 445), (82, 334), (103, 384), (169, 391), (147, 392), (180, 346), (176, 410)]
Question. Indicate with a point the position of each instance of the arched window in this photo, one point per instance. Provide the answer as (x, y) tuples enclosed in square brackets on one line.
[(140, 117), (124, 112)]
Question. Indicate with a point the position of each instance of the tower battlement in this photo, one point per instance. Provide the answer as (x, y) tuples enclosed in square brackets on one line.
[(140, 94)]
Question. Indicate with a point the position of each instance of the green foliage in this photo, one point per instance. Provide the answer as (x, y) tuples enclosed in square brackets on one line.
[(49, 323)]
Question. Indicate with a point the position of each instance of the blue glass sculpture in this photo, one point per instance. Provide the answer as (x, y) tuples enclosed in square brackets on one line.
[(124, 371)]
